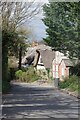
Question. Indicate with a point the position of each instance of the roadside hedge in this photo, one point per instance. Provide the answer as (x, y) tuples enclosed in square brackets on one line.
[(71, 83)]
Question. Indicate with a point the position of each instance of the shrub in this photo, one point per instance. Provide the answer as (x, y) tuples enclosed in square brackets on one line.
[(30, 75), (19, 74), (65, 83), (42, 74), (71, 83), (24, 69)]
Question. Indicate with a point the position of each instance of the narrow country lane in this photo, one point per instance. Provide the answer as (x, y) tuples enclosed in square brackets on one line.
[(34, 101)]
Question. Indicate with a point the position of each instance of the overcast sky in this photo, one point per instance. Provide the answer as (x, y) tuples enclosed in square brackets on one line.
[(37, 27), (45, 1)]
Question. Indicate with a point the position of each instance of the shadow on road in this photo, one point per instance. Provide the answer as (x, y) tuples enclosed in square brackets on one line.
[(27, 101)]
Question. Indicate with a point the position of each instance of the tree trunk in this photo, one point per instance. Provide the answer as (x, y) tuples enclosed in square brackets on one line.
[(4, 62), (20, 57)]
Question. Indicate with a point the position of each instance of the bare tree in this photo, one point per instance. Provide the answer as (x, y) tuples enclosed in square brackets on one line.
[(15, 14)]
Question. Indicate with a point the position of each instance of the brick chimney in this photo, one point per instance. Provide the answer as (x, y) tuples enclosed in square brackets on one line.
[(34, 43)]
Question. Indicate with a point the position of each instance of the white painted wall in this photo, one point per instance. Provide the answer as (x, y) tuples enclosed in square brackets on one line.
[(59, 56), (39, 65)]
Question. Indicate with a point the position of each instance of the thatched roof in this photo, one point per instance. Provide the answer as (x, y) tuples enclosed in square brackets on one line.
[(47, 57), (31, 52)]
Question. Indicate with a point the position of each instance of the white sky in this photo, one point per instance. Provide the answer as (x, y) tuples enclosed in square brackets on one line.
[(38, 30), (37, 26), (44, 1)]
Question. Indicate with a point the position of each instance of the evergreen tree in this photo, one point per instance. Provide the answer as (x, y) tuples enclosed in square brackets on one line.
[(62, 21)]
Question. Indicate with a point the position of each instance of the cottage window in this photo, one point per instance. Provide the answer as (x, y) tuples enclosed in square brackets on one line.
[(53, 67), (63, 71), (56, 67)]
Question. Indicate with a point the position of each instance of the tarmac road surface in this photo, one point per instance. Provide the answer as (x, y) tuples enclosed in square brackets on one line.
[(34, 101)]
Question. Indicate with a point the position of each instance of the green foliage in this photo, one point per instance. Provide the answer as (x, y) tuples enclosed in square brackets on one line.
[(7, 36), (10, 42), (43, 74), (75, 69), (19, 73), (29, 75), (12, 37), (72, 83), (63, 26)]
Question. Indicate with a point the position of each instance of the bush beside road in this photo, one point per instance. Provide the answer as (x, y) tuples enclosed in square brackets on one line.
[(71, 85)]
